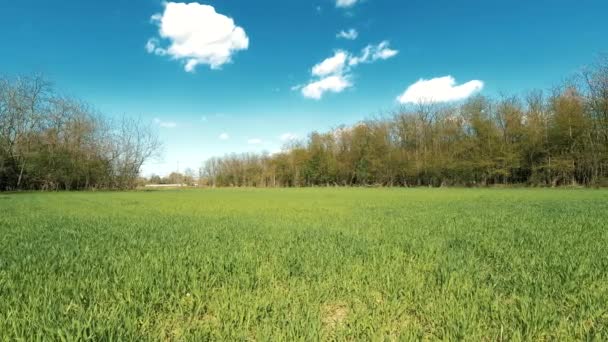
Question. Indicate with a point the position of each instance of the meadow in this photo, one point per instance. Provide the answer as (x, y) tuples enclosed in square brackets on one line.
[(305, 264)]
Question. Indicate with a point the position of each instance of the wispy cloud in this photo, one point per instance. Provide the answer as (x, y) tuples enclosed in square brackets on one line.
[(372, 53), (286, 137), (165, 124), (213, 116), (334, 74), (197, 34), (351, 34), (224, 136), (440, 89), (345, 3)]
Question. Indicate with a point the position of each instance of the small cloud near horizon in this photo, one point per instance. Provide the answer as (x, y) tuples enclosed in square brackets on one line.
[(165, 124), (254, 141), (286, 137), (440, 89)]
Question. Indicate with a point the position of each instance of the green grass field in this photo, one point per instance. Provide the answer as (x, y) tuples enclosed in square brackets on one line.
[(305, 264)]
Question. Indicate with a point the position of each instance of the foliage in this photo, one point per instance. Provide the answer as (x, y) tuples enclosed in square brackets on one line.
[(560, 139), (51, 142)]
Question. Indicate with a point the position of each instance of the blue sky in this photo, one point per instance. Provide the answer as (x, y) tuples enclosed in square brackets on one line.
[(249, 76)]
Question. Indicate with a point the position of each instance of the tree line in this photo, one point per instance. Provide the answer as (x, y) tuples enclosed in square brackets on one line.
[(187, 178), (550, 138), (53, 142)]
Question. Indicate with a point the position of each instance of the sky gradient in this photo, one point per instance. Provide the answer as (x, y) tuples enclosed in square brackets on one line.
[(297, 65)]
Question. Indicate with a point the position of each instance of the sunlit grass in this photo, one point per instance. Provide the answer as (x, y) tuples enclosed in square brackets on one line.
[(305, 264)]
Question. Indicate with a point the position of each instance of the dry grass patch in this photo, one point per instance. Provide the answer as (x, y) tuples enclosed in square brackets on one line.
[(333, 316)]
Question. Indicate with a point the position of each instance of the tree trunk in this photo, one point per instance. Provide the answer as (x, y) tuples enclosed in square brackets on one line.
[(20, 175)]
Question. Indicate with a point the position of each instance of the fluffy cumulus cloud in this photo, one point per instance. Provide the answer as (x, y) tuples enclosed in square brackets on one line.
[(224, 136), (351, 34), (334, 74), (165, 124), (196, 34), (345, 3), (440, 89), (334, 84), (331, 65)]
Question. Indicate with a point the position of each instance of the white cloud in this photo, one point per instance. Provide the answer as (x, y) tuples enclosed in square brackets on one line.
[(254, 141), (440, 89), (197, 35), (331, 65), (372, 53), (345, 3), (334, 84), (285, 137), (165, 124), (224, 136), (351, 34), (156, 17), (334, 74), (152, 47), (384, 53)]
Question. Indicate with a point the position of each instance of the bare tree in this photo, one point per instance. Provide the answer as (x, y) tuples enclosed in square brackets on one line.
[(134, 143), (52, 142)]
